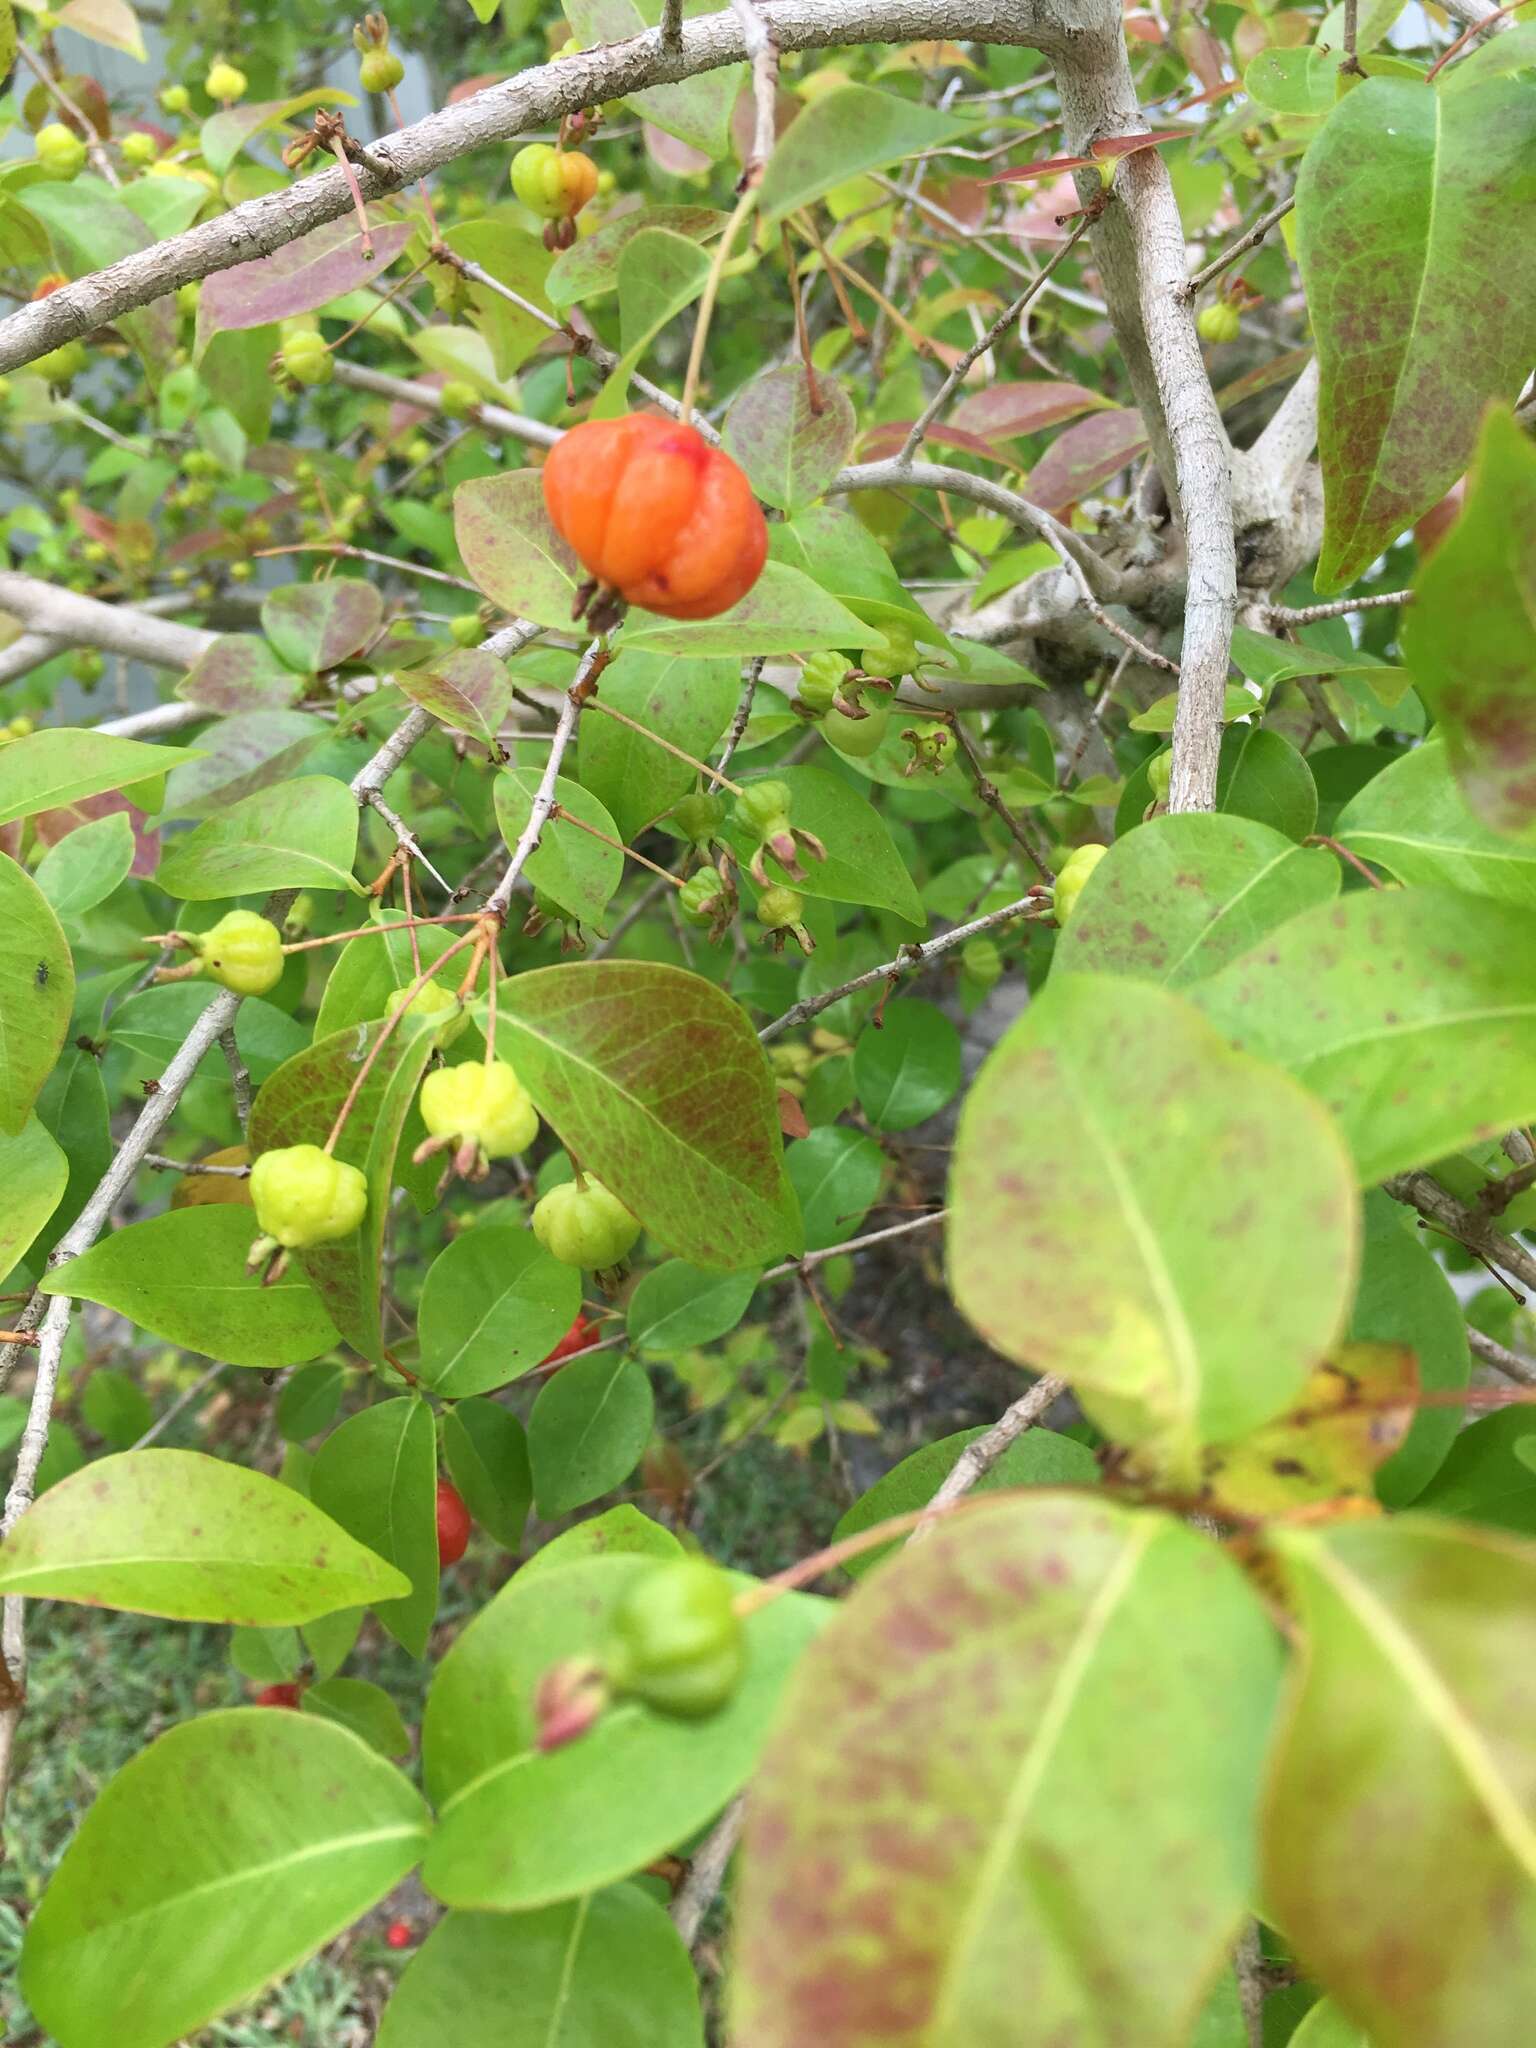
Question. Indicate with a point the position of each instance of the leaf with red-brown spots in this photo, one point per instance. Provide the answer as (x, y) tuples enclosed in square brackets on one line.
[(654, 1080), (1184, 1270), (1011, 1795), (1399, 1841), (1411, 1013), (1470, 639), (1416, 232)]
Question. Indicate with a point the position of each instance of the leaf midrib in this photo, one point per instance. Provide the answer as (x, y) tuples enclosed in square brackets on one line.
[(1048, 1731)]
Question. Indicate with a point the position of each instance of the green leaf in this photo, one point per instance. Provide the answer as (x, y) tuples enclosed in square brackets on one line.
[(696, 110), (33, 1172), (86, 865), (520, 1828), (854, 129), (790, 449), (309, 1401), (589, 1426), (507, 252), (621, 1529), (191, 1538), (862, 864), (677, 1306), (907, 1066), (298, 1105), (590, 266), (1470, 635), (511, 551), (654, 1079), (784, 612), (1413, 1699), (660, 274), (487, 1454), (1160, 714), (836, 550), (60, 764), (495, 1304), (182, 1276), (1408, 1012), (241, 755), (984, 1775), (1262, 776), (1178, 898), (837, 1175), (1405, 1298), (1489, 1474), (266, 1656), (90, 228), (466, 688), (686, 702), (1415, 227), (37, 991), (1413, 820), (295, 1829), (607, 1971), (569, 866), (116, 1408), (73, 1110), (1326, 2027), (313, 626), (1059, 1169), (154, 1023), (377, 1476), (371, 969), (300, 835), (1039, 1458), (365, 1708)]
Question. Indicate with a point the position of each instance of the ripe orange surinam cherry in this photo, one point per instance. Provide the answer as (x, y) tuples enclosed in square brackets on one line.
[(286, 1695), (579, 1337), (657, 515), (453, 1523)]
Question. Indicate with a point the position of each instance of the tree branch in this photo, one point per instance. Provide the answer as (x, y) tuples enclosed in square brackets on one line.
[(1467, 1225), (66, 618), (536, 98)]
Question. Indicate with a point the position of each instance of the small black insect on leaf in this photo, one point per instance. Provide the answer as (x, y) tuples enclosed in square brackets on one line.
[(40, 974)]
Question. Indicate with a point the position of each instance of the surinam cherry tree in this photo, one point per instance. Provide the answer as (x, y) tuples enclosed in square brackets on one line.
[(796, 642)]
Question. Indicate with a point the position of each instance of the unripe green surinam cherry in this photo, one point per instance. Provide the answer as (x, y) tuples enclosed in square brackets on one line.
[(175, 99), (88, 667), (1073, 879), (306, 358), (1219, 322), (676, 1641), (762, 809), (302, 1196), (581, 1224), (702, 896), (243, 952), (138, 148), (981, 961), (466, 629), (225, 82), (699, 817), (820, 681), (61, 365), (1160, 775), (60, 152), (431, 1003), (895, 656), (781, 913), (380, 70), (458, 399), (481, 1109), (857, 737)]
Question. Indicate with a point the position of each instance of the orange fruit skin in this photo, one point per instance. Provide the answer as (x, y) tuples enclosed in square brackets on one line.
[(656, 513)]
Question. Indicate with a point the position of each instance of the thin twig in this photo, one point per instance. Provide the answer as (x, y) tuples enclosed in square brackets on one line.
[(706, 1871), (979, 1456), (994, 334), (1512, 1364), (1307, 614), (986, 789), (907, 961), (592, 664), (1466, 1224), (181, 1404), (1261, 227), (764, 53), (239, 1075), (742, 717)]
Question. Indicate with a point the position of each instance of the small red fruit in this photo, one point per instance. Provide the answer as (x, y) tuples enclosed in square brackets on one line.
[(657, 514), (285, 1695), (578, 1337), (453, 1523), (399, 1934)]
